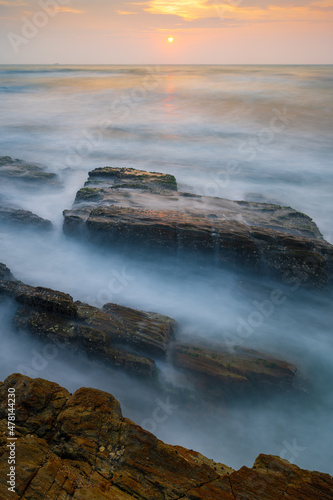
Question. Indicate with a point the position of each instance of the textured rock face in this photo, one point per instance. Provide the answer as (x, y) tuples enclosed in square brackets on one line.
[(132, 340), (137, 207), (18, 172), (80, 446), (221, 372), (5, 273), (19, 217), (130, 177), (16, 175), (123, 337)]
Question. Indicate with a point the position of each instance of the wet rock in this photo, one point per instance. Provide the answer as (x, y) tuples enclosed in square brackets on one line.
[(132, 340), (132, 178), (45, 299), (5, 273), (80, 446), (23, 218), (122, 337), (21, 172), (137, 208), (221, 372)]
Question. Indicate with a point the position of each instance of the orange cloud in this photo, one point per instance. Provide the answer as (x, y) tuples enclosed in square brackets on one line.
[(187, 9), (191, 10), (125, 13), (70, 10), (12, 3)]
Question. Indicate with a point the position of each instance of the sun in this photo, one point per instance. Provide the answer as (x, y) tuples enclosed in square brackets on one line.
[(170, 39)]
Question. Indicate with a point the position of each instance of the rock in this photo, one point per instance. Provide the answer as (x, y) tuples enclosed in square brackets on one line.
[(223, 373), (131, 207), (133, 340), (21, 172), (19, 217), (122, 337), (80, 446), (132, 178), (5, 273)]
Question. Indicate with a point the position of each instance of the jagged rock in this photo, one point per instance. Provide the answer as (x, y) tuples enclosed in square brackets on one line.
[(17, 216), (134, 207), (122, 337), (5, 273), (132, 340), (19, 171), (243, 371), (80, 446)]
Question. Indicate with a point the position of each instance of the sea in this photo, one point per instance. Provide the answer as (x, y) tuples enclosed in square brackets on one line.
[(255, 133)]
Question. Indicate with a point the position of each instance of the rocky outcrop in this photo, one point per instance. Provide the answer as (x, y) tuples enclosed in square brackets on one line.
[(19, 172), (122, 337), (23, 218), (80, 446), (5, 274), (134, 207), (133, 340), (221, 372), (132, 178)]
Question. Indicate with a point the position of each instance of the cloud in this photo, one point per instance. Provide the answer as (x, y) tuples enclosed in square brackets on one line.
[(12, 3), (323, 5), (69, 10), (125, 13), (187, 9), (64, 10), (241, 10)]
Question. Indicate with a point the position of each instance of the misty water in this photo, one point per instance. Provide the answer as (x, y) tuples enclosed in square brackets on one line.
[(240, 132)]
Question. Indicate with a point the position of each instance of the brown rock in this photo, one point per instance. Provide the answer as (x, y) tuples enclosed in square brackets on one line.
[(21, 172), (134, 207), (23, 218), (80, 446), (221, 372), (132, 178), (122, 337), (131, 340)]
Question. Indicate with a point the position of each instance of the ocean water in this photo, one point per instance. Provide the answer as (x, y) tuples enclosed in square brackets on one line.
[(261, 133)]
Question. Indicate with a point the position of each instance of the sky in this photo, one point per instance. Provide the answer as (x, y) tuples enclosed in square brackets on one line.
[(137, 32)]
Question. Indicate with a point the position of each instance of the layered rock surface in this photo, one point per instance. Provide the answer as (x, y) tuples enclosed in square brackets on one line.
[(19, 172), (133, 340), (243, 370), (121, 336), (131, 207), (80, 446), (23, 218), (15, 176)]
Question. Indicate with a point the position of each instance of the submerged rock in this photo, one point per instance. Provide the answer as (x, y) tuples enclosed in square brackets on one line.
[(23, 218), (133, 340), (134, 207), (123, 337), (80, 446), (19, 171), (243, 371)]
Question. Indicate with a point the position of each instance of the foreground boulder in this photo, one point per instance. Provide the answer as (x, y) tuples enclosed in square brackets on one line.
[(134, 207), (19, 172), (80, 446), (133, 340)]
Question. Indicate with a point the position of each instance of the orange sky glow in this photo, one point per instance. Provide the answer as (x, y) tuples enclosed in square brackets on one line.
[(137, 32)]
